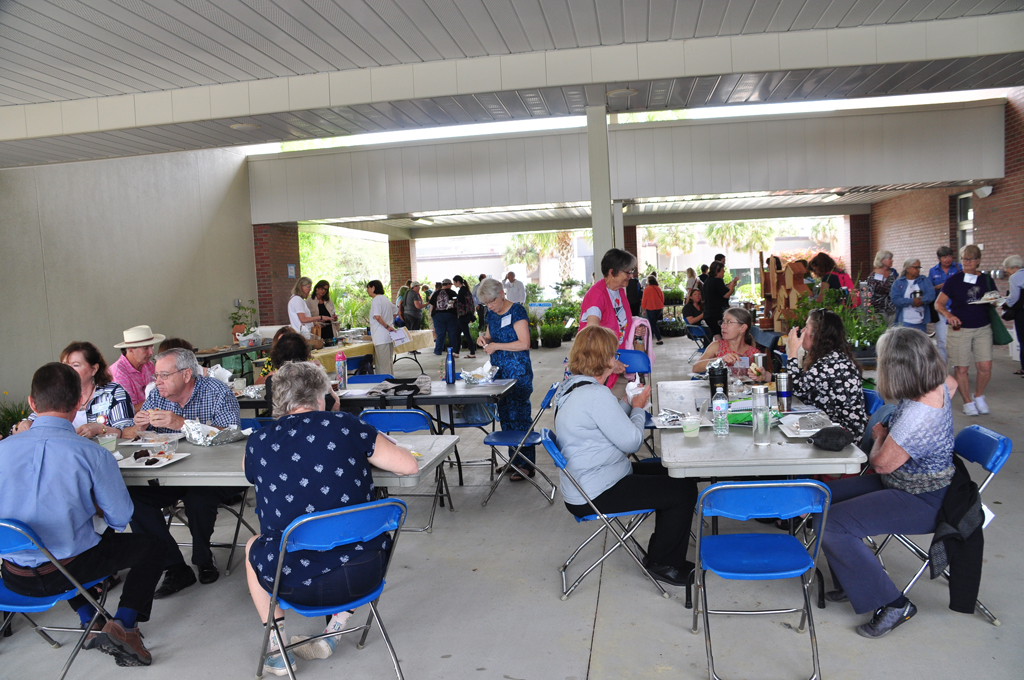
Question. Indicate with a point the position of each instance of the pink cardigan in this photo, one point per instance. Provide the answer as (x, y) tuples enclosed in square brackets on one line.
[(597, 296)]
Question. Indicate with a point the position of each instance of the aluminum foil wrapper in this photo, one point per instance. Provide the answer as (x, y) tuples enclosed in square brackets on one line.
[(717, 363), (255, 392), (204, 435), (480, 376)]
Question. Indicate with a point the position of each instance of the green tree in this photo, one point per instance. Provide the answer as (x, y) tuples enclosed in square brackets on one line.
[(674, 239), (529, 248), (825, 233), (343, 261)]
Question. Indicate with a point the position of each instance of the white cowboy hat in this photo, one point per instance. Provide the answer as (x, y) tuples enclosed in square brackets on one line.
[(140, 336)]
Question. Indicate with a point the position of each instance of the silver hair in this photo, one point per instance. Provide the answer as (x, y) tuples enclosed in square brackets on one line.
[(910, 263), (490, 290), (183, 360), (1013, 261), (882, 255), (299, 384), (909, 364)]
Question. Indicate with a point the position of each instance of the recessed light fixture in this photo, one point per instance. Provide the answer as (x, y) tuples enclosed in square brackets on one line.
[(245, 126), (423, 221), (623, 92), (830, 198)]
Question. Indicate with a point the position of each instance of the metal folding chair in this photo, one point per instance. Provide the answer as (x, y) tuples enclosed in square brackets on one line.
[(621, 533), (369, 378), (872, 401), (638, 362), (759, 556), (698, 335), (411, 420), (16, 536), (979, 445), (323, 531), (516, 440)]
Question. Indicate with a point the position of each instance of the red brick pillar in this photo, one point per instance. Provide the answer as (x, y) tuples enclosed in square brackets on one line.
[(629, 239), (402, 259), (861, 256), (277, 246)]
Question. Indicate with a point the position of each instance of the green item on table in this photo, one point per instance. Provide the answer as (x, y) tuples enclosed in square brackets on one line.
[(745, 418)]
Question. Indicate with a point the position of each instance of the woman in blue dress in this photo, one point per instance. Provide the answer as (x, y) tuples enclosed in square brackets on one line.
[(507, 342)]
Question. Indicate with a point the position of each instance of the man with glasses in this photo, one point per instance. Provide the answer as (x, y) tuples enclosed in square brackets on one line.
[(182, 393), (938, 275)]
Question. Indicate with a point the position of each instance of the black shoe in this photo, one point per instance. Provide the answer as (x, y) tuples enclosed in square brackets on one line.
[(659, 342), (670, 575), (176, 578), (885, 619), (208, 573), (837, 596)]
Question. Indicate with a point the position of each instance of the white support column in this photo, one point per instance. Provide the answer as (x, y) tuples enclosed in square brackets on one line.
[(600, 185), (620, 239)]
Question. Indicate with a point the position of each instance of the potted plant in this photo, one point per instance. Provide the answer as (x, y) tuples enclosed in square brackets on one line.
[(551, 335), (534, 336), (245, 320)]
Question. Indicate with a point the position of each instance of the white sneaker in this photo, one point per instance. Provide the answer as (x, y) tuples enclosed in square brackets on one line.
[(318, 649), (970, 409), (979, 401)]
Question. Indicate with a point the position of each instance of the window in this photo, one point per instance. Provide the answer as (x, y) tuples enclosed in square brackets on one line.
[(965, 221)]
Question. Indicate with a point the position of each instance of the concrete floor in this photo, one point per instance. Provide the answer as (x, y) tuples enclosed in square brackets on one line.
[(479, 598)]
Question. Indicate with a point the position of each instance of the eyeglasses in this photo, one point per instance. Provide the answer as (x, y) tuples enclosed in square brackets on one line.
[(165, 376), (730, 323)]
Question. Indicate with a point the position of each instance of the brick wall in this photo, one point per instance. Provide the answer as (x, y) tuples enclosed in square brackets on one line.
[(915, 224), (277, 246), (629, 239), (860, 256), (402, 259)]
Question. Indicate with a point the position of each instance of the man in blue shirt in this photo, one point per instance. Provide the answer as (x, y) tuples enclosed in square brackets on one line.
[(55, 482), (938, 275), (182, 393)]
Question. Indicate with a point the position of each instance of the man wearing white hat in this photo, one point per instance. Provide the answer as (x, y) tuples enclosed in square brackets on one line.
[(134, 368)]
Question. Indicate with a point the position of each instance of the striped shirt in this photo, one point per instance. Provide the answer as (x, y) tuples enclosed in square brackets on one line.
[(212, 403), (110, 401), (133, 380)]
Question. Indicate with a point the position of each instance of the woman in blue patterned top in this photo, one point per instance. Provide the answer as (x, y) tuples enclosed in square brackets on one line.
[(507, 343), (308, 461), (913, 457)]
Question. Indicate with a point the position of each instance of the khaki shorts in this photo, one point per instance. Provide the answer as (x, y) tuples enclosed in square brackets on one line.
[(969, 346)]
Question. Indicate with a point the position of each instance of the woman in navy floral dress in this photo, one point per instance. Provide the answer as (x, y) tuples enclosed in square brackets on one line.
[(507, 343), (308, 461)]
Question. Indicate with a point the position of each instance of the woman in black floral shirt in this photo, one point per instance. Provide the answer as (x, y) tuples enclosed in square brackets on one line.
[(880, 284), (829, 378)]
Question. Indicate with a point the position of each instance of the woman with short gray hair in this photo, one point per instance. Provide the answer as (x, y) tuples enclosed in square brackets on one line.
[(310, 461), (913, 457), (970, 328), (1015, 300), (912, 296), (880, 286)]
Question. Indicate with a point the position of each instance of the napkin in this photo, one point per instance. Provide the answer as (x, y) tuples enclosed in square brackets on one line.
[(634, 388)]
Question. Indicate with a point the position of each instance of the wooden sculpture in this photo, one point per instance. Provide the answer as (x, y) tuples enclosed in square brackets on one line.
[(782, 286)]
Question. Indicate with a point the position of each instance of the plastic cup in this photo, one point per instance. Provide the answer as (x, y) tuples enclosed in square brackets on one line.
[(691, 426), (108, 441)]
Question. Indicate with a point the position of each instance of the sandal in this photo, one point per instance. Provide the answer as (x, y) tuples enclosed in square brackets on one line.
[(1020, 372), (516, 477)]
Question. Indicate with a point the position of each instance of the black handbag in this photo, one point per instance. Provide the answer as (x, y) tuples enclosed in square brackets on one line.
[(833, 438)]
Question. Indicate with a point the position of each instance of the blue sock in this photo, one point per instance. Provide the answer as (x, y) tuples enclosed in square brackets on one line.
[(85, 613), (126, 616)]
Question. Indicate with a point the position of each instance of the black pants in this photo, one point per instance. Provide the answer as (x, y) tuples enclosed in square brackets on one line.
[(481, 316), (654, 316), (672, 499), (142, 555), (463, 334), (413, 323), (714, 322), (1018, 324), (200, 508)]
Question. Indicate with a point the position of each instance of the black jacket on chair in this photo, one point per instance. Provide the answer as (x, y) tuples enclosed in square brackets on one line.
[(959, 542)]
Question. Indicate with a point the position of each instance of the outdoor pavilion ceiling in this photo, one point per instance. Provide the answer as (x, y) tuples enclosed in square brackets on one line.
[(646, 212), (67, 51)]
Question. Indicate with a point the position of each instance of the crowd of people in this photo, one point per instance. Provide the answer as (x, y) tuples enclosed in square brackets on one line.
[(56, 479)]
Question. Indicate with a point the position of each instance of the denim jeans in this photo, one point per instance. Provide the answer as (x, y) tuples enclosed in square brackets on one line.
[(447, 327), (654, 316)]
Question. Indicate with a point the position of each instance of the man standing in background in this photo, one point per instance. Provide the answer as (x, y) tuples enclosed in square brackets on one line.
[(515, 291)]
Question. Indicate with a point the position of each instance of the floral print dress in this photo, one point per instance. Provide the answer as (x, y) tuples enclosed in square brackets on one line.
[(833, 384), (879, 290)]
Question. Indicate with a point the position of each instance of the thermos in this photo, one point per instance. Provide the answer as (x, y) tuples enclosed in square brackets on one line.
[(341, 368), (782, 391), (761, 415), (449, 368), (718, 376)]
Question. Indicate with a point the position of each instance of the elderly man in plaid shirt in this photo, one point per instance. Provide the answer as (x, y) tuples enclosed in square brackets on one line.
[(182, 393)]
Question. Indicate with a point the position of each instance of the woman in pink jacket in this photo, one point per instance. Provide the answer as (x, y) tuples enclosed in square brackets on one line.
[(606, 305)]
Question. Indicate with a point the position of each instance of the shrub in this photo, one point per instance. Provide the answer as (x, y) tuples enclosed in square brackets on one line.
[(674, 297), (12, 412), (551, 333), (560, 312)]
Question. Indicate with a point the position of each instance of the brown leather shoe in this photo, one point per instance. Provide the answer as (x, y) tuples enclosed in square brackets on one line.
[(125, 645)]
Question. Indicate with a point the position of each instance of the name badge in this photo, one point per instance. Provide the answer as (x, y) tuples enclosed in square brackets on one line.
[(879, 277), (505, 321), (970, 278)]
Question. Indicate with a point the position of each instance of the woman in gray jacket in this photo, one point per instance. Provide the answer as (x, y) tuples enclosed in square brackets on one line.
[(596, 431)]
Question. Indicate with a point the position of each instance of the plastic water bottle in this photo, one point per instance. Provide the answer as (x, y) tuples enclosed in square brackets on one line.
[(341, 368), (720, 405), (449, 367)]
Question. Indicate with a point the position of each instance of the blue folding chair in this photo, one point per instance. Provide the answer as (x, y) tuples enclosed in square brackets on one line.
[(979, 445), (759, 556), (515, 440), (872, 401), (323, 531), (698, 335), (16, 536), (638, 362), (622, 533), (369, 378), (254, 423), (409, 420)]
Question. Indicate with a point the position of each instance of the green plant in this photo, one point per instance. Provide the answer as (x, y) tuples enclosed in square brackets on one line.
[(750, 292), (551, 333), (533, 292), (247, 316), (863, 326), (534, 333), (674, 297), (564, 288), (11, 413), (560, 312), (353, 311)]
